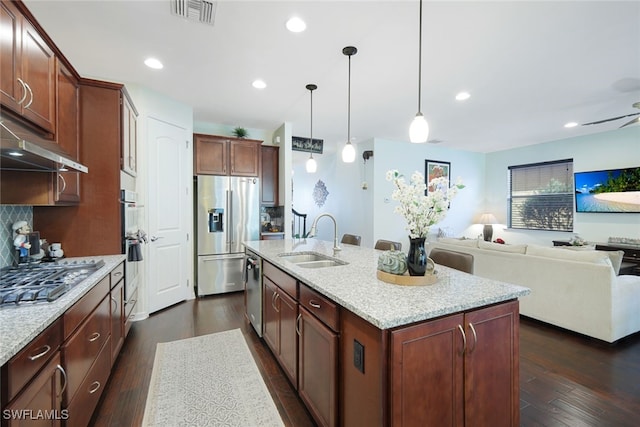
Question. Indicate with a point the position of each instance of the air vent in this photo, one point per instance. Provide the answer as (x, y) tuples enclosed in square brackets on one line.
[(195, 10)]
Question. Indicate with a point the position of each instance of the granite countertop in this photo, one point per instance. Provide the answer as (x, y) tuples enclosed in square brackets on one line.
[(19, 325), (355, 286)]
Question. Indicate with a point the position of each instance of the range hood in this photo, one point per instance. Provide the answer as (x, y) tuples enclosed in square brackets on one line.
[(23, 151)]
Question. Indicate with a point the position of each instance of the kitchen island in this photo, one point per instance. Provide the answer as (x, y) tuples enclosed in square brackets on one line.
[(361, 351)]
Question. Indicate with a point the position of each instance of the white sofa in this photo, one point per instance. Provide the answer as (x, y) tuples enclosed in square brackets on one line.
[(575, 290)]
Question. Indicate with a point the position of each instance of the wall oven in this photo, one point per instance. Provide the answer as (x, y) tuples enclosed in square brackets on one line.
[(131, 242)]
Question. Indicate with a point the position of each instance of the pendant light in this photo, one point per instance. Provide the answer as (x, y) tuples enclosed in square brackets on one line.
[(419, 129), (311, 165), (349, 152)]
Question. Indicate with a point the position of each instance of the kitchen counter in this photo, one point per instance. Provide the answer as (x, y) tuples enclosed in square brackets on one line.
[(355, 286), (19, 325)]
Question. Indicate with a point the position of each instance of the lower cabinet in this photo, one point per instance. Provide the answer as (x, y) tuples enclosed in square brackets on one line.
[(280, 314)]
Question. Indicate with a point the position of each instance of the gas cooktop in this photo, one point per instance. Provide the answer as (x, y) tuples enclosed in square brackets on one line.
[(44, 282)]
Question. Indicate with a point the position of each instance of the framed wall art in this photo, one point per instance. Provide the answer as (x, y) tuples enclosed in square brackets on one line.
[(436, 169)]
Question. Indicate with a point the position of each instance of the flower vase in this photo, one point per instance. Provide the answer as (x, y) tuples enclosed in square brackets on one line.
[(417, 257)]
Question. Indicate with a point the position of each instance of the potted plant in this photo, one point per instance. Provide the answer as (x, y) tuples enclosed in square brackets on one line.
[(240, 132)]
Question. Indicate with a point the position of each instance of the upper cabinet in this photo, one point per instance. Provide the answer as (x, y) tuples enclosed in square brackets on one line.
[(28, 84), (269, 175), (221, 155), (129, 135)]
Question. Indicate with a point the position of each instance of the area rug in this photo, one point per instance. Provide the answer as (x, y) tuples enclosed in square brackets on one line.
[(210, 380)]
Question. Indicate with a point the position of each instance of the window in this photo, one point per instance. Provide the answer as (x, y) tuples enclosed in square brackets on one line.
[(541, 196)]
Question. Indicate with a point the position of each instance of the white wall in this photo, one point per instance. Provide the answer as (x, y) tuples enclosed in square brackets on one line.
[(607, 150)]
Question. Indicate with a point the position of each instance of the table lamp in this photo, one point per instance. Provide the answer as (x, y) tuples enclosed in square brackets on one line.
[(488, 220)]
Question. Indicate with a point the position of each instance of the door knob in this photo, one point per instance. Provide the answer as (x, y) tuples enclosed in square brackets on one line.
[(154, 238)]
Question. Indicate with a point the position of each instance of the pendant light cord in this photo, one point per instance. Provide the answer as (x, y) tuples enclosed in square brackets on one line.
[(420, 62), (349, 106)]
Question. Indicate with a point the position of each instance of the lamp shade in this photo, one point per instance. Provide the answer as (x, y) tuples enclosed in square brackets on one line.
[(348, 153), (487, 218), (419, 129), (311, 165)]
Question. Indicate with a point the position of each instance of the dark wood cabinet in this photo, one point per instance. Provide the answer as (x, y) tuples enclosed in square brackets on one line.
[(280, 314), (269, 175), (28, 85), (318, 369), (129, 146), (220, 155), (117, 320)]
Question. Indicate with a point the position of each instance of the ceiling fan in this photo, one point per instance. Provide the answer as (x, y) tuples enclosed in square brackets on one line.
[(636, 120)]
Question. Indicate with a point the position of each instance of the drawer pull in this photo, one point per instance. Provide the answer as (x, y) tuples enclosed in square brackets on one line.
[(116, 303), (44, 351), (95, 386), (298, 324), (94, 336), (118, 273), (64, 375), (314, 304)]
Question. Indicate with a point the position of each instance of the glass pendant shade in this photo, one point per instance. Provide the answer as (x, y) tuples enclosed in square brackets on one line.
[(311, 165), (419, 129), (348, 153)]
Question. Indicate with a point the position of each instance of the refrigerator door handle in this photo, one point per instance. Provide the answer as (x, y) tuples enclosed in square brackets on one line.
[(230, 199), (229, 220)]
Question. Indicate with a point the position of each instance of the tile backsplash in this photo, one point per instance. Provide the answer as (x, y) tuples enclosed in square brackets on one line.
[(8, 215)]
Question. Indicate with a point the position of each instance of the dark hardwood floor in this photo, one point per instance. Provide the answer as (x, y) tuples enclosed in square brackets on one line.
[(565, 379)]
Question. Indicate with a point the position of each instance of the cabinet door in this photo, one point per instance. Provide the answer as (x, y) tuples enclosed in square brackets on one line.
[(11, 91), (129, 136), (244, 157), (318, 373), (269, 175), (117, 320), (288, 308), (43, 395), (270, 321), (427, 374), (66, 185), (211, 156), (39, 75), (492, 367)]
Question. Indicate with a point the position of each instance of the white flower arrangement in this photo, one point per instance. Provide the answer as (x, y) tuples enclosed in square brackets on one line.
[(422, 211)]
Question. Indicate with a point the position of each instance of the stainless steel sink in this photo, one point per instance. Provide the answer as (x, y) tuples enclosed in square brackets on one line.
[(311, 260)]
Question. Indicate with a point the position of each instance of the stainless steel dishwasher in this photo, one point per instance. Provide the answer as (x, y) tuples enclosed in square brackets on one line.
[(253, 287)]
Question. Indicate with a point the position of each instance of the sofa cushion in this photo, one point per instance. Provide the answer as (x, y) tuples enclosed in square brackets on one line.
[(616, 259), (596, 257), (473, 243), (517, 249)]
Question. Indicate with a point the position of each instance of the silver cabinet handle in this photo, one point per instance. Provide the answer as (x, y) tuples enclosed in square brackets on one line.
[(44, 351), (64, 183), (314, 304), (116, 302), (94, 336), (31, 95), (95, 386), (24, 91), (275, 300), (464, 340), (475, 338), (298, 324), (64, 375)]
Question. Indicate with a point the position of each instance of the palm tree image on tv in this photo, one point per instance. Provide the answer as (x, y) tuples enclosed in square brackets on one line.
[(615, 190)]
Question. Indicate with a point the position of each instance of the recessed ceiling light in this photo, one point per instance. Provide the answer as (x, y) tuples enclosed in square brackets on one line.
[(259, 84), (296, 25), (570, 125), (462, 96), (153, 63)]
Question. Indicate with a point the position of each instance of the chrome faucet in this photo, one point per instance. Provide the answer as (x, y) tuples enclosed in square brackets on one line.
[(314, 230)]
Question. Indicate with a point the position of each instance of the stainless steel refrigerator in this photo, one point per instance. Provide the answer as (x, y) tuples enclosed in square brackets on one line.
[(227, 213)]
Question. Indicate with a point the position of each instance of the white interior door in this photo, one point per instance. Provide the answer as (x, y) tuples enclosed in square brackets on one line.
[(169, 207)]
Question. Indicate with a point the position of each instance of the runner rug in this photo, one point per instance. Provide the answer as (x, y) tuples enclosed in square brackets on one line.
[(211, 380)]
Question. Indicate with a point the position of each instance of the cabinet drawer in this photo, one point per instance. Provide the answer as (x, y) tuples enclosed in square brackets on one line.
[(24, 365), (320, 306), (84, 403), (80, 351), (280, 278), (80, 310), (117, 274)]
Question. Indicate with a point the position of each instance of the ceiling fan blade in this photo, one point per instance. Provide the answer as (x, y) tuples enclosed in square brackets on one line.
[(610, 120), (636, 120)]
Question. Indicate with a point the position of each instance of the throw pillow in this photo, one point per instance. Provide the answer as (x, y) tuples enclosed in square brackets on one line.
[(596, 257), (616, 259), (517, 249), (473, 243)]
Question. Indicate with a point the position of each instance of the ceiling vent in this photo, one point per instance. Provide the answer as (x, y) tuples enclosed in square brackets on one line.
[(196, 10)]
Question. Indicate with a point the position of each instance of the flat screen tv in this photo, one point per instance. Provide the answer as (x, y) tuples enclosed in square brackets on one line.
[(613, 190)]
